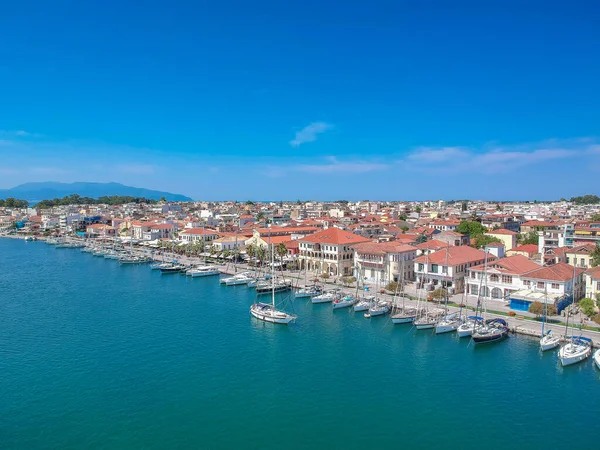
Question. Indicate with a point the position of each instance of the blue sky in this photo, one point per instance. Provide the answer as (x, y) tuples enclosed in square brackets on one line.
[(301, 100)]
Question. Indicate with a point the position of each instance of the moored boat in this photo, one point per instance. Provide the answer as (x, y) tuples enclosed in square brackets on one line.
[(575, 349), (344, 302), (550, 341), (597, 358), (448, 323), (491, 330), (468, 326), (326, 297)]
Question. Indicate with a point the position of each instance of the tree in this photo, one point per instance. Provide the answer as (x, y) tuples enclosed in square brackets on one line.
[(464, 206), (347, 281), (418, 210), (529, 238), (586, 200), (438, 294), (281, 250), (392, 286), (595, 256), (596, 319), (596, 218), (250, 251), (421, 238), (483, 240), (404, 229), (472, 228), (261, 252), (538, 309), (587, 307)]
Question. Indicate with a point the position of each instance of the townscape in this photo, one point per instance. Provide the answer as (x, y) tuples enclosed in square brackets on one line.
[(458, 266)]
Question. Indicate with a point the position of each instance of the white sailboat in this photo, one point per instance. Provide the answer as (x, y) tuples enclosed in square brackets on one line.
[(468, 326), (597, 358), (449, 322), (548, 340), (267, 312), (402, 314)]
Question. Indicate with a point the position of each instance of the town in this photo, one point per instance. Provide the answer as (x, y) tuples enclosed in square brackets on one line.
[(527, 252)]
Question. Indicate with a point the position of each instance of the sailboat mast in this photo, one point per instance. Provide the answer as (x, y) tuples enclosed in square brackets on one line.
[(272, 273)]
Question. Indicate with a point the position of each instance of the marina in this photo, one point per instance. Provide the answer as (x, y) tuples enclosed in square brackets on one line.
[(145, 343)]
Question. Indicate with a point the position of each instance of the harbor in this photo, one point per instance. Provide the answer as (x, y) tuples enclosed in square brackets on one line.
[(121, 352)]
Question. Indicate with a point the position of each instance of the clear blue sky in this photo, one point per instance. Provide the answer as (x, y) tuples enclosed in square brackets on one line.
[(311, 99)]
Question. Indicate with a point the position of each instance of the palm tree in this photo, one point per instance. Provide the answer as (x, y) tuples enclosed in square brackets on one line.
[(281, 251), (261, 252), (250, 251)]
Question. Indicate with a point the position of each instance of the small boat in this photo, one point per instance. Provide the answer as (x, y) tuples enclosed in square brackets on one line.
[(173, 268), (275, 286), (158, 266), (244, 275), (364, 304), (344, 302), (448, 323), (467, 327), (326, 297), (597, 358), (379, 308), (550, 341), (405, 315), (268, 313), (202, 271), (30, 238), (127, 259), (576, 349), (428, 320), (308, 292), (491, 330)]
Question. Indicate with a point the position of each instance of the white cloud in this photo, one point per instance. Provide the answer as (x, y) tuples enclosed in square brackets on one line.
[(19, 134), (498, 158), (310, 133), (335, 166)]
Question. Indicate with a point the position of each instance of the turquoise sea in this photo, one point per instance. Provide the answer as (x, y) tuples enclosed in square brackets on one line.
[(98, 355)]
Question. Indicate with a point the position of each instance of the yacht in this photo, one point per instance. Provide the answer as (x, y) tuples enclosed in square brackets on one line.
[(158, 266), (326, 297), (202, 271), (309, 291), (130, 259), (364, 304), (428, 320), (491, 330), (597, 358), (468, 326), (243, 275), (576, 349), (378, 308), (172, 268), (448, 324), (275, 286), (405, 315), (344, 302), (550, 341)]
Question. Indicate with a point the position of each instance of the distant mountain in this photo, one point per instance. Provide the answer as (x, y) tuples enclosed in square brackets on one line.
[(35, 192)]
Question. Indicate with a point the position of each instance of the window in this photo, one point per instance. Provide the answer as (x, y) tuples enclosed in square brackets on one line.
[(507, 279), (568, 260), (434, 268), (598, 285), (472, 275), (540, 285), (527, 282), (494, 277), (445, 269), (474, 289), (555, 286)]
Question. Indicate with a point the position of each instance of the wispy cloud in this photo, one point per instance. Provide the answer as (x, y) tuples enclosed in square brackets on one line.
[(19, 134), (335, 166), (498, 158), (310, 133)]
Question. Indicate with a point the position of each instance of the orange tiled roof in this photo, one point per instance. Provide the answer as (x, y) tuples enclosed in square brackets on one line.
[(517, 264), (453, 256), (334, 236), (555, 272)]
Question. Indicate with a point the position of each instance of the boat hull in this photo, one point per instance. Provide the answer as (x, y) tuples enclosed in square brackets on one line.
[(400, 320), (204, 274), (464, 331), (424, 326), (489, 338), (446, 328), (270, 316), (317, 300), (549, 344), (570, 358), (597, 358)]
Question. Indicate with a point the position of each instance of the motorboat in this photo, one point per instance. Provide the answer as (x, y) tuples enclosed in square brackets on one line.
[(309, 291), (550, 341), (173, 268), (344, 302), (448, 324), (275, 286), (466, 328), (243, 275), (574, 350), (202, 271), (491, 330), (129, 259)]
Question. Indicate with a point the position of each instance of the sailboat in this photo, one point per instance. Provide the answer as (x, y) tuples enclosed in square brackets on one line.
[(308, 291), (575, 349), (267, 312), (468, 326), (402, 314), (548, 340), (426, 319), (203, 270), (597, 358), (450, 322)]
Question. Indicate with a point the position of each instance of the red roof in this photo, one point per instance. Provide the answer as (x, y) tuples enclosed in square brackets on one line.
[(517, 264), (594, 272), (334, 236), (527, 248), (286, 230), (453, 256), (502, 231), (555, 272), (382, 248), (197, 231), (434, 244)]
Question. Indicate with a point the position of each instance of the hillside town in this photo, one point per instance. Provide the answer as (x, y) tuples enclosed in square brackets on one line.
[(516, 253)]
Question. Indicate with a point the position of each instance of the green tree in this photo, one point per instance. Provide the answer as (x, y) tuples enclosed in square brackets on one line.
[(587, 306), (529, 238), (483, 240), (251, 250), (472, 228), (418, 210), (595, 256), (392, 286), (538, 309), (261, 252), (421, 239), (439, 293), (596, 218), (464, 206), (586, 200), (404, 229), (281, 250)]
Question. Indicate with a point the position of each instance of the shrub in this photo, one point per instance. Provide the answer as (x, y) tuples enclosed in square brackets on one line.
[(392, 286), (325, 275), (596, 319), (587, 306), (512, 313)]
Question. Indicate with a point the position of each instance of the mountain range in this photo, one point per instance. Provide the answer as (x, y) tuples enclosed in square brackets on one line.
[(35, 192)]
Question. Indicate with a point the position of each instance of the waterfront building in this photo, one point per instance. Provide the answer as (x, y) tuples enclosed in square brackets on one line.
[(448, 267), (198, 234), (384, 262), (580, 256), (329, 251), (592, 283)]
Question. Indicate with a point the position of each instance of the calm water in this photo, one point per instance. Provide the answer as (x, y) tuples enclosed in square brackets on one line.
[(94, 354)]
